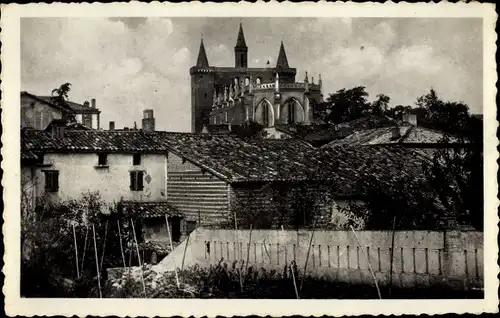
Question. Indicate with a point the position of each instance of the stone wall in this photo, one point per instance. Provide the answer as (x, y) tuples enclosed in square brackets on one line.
[(420, 258)]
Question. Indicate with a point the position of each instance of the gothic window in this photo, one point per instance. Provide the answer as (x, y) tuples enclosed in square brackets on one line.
[(265, 114), (247, 81), (291, 112), (258, 80)]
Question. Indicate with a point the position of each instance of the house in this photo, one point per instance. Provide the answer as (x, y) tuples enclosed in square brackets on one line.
[(38, 111), (406, 134), (206, 180)]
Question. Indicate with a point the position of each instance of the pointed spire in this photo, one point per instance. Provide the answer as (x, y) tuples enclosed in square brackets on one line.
[(320, 81), (240, 42), (306, 79), (202, 56), (282, 60)]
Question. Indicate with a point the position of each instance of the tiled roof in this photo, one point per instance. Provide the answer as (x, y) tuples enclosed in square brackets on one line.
[(384, 136), (236, 160), (67, 125), (77, 108), (339, 131), (155, 209), (93, 141), (48, 100)]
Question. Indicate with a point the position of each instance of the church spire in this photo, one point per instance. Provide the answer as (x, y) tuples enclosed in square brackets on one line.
[(282, 60), (240, 42), (240, 50), (202, 56)]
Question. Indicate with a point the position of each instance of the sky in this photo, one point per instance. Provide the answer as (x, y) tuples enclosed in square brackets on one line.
[(132, 64)]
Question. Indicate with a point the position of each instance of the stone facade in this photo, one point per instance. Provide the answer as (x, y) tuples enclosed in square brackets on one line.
[(269, 95)]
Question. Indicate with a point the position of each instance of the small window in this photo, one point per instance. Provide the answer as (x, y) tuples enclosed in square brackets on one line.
[(205, 95), (136, 180), (137, 159), (102, 159), (52, 181)]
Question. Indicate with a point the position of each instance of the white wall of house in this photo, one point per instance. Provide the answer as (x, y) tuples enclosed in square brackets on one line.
[(78, 173), (95, 121), (79, 118)]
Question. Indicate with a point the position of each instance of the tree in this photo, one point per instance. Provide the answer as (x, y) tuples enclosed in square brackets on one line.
[(398, 111), (380, 106), (60, 94), (48, 260), (407, 199), (448, 116), (346, 105)]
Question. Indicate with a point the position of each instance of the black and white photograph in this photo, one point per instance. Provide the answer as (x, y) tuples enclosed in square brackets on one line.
[(232, 157)]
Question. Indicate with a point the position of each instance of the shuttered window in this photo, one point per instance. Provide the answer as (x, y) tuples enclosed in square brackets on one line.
[(38, 120), (51, 181), (87, 120), (136, 180)]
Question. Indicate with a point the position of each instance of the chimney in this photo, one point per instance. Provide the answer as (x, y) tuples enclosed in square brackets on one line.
[(148, 122), (111, 126), (125, 128), (396, 133), (410, 119), (86, 103), (92, 102)]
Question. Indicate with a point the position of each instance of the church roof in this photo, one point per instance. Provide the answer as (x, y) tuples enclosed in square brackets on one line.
[(202, 60), (282, 61), (240, 42)]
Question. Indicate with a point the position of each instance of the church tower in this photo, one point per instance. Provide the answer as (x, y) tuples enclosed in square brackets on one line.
[(241, 51), (202, 84)]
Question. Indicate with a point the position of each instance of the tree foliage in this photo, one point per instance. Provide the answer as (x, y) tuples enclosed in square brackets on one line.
[(60, 93), (48, 262)]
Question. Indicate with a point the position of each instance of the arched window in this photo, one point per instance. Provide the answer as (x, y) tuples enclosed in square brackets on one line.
[(247, 81), (265, 115), (291, 111), (258, 80)]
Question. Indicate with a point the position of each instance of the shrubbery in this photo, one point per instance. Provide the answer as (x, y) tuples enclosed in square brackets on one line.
[(224, 281)]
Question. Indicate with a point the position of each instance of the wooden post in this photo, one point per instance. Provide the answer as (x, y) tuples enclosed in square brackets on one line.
[(76, 253), (307, 257), (139, 258), (97, 263), (171, 250), (121, 243), (368, 262), (85, 245), (104, 243), (392, 255)]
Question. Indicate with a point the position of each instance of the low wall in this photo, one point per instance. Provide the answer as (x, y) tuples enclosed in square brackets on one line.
[(420, 258)]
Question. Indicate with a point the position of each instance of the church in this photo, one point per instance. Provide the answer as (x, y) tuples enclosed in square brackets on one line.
[(233, 95)]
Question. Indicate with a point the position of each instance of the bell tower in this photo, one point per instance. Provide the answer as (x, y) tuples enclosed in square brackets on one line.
[(241, 50)]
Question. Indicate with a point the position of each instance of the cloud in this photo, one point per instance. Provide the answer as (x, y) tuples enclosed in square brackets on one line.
[(129, 64)]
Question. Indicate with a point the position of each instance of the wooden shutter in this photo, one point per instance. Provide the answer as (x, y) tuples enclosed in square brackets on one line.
[(140, 179), (132, 180), (55, 175), (38, 120)]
